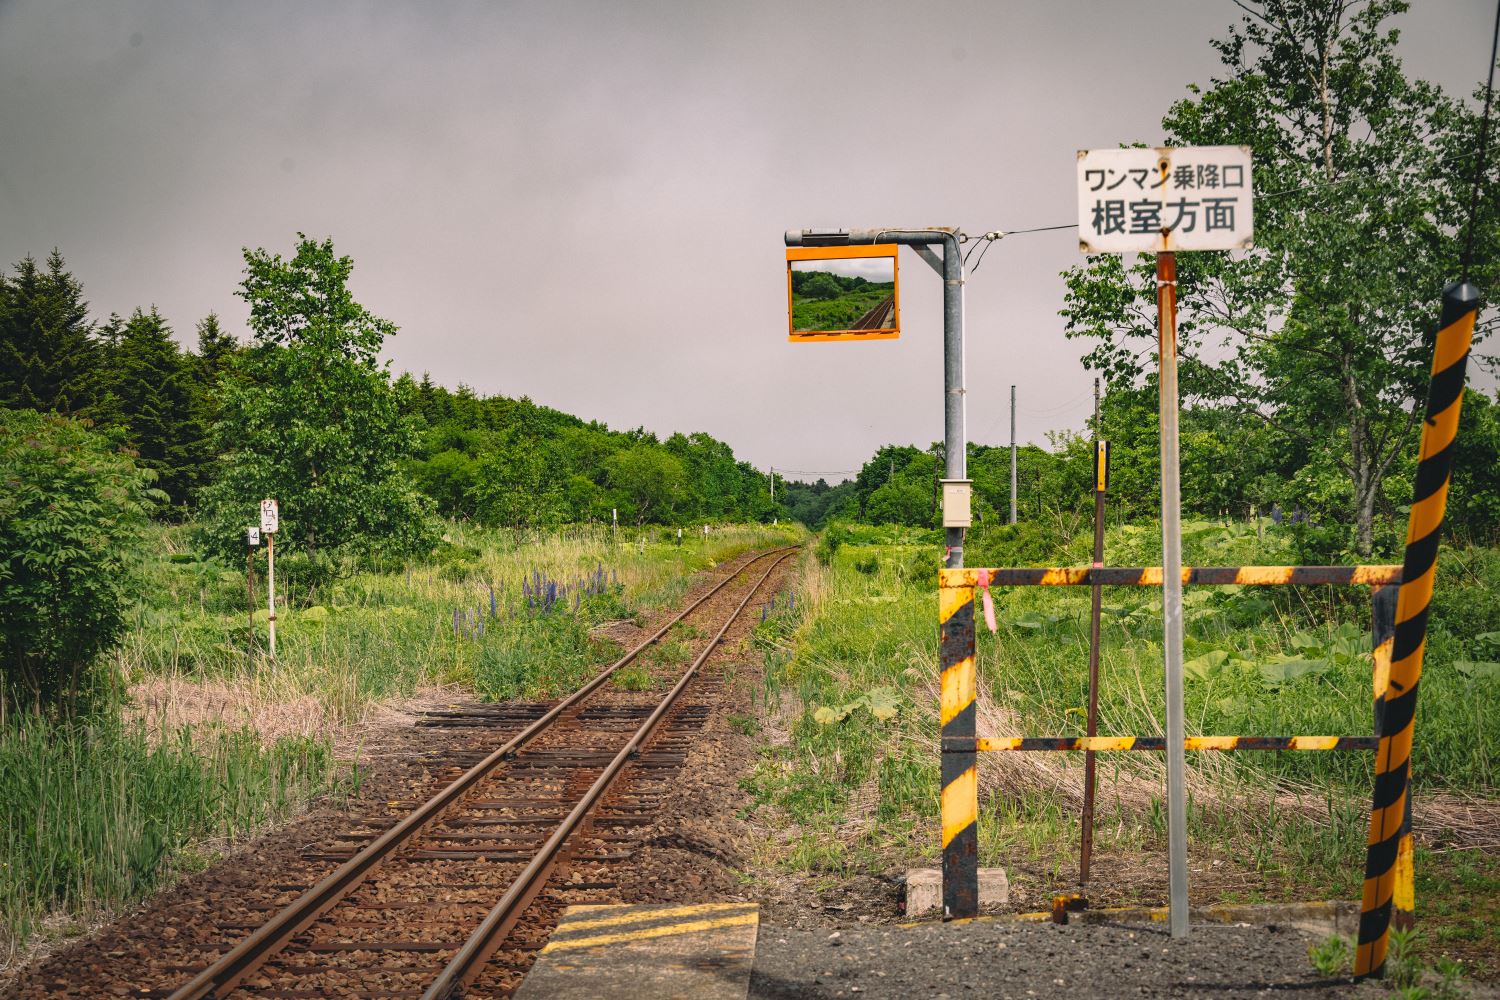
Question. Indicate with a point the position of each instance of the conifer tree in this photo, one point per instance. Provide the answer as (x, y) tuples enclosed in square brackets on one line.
[(46, 353), (151, 382)]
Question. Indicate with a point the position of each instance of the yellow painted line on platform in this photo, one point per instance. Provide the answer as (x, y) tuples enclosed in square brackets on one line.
[(638, 915), (645, 933)]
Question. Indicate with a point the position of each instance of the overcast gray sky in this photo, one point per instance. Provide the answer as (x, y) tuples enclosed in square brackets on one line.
[(584, 202)]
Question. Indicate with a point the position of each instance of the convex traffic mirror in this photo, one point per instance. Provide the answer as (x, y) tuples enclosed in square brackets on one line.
[(842, 293)]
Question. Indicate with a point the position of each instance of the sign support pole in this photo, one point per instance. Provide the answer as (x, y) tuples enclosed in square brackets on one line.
[(271, 589), (1171, 595), (250, 592)]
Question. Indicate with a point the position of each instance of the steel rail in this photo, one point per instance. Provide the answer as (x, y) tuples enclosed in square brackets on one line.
[(230, 969), (461, 970)]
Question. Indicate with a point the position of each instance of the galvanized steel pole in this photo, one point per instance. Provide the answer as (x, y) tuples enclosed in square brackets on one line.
[(1012, 454), (959, 798), (955, 448), (1171, 595), (952, 269)]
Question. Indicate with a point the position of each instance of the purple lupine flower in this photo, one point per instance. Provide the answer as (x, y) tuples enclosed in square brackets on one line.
[(455, 623)]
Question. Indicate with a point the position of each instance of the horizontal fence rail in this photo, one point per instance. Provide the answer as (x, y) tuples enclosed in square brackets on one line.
[(1150, 576), (992, 744)]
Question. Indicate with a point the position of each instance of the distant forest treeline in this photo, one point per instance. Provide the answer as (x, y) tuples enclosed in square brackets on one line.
[(510, 461), (1231, 464), (494, 459)]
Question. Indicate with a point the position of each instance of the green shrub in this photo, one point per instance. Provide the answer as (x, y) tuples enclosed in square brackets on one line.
[(1024, 543), (834, 535), (538, 657), (72, 509)]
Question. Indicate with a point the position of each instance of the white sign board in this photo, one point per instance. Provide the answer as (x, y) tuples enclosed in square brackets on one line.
[(252, 536), (1164, 199), (269, 517)]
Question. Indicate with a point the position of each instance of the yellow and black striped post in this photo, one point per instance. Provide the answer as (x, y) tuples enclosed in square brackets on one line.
[(1389, 809), (960, 795), (1383, 633)]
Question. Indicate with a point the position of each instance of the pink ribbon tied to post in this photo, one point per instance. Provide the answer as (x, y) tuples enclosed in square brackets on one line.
[(986, 601)]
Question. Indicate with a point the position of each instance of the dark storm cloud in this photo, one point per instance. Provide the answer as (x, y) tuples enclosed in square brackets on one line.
[(585, 202)]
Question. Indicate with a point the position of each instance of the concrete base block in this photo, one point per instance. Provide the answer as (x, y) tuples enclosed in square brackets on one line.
[(924, 890)]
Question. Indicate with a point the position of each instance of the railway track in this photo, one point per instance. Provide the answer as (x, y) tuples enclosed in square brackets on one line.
[(878, 317), (430, 899)]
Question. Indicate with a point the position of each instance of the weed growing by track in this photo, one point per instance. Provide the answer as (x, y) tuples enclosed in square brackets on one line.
[(100, 814), (851, 682)]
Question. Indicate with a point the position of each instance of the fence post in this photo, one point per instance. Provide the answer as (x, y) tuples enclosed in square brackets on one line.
[(1389, 811), (1383, 632), (960, 794)]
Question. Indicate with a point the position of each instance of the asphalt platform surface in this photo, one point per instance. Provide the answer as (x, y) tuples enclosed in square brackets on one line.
[(997, 960)]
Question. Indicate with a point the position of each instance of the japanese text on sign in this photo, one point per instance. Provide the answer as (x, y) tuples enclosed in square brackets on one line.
[(1164, 199), (269, 517)]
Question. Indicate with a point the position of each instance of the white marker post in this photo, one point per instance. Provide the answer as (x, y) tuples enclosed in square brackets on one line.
[(270, 521), (1160, 201)]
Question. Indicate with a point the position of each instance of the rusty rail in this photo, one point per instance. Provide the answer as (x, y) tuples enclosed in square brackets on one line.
[(469, 961), (220, 978)]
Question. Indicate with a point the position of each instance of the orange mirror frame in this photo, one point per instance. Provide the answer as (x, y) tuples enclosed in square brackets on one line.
[(848, 300)]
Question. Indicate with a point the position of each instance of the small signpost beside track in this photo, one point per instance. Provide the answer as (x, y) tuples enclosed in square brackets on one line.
[(270, 523)]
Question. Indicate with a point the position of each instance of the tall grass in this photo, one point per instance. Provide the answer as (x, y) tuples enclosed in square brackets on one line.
[(1263, 661), (102, 813), (369, 637)]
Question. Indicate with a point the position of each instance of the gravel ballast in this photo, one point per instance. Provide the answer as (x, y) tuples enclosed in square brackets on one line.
[(998, 960)]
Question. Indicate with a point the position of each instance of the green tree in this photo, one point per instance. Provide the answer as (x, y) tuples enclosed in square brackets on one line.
[(71, 515), (47, 353), (146, 384), (648, 480), (513, 485), (312, 418), (1323, 330), (216, 348)]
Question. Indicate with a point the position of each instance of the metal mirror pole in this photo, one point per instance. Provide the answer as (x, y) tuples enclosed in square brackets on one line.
[(955, 448), (1171, 595)]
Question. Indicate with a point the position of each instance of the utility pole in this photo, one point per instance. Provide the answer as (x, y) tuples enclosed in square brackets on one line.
[(1012, 454), (773, 484)]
